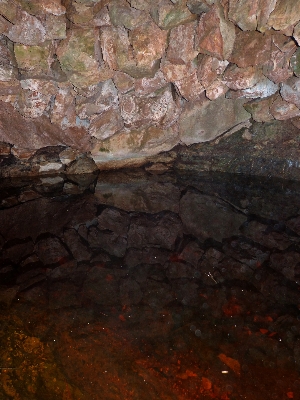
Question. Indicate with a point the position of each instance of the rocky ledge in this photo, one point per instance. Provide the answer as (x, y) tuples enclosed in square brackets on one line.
[(119, 82)]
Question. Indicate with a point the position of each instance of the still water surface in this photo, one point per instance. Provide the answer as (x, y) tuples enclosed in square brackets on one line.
[(144, 286)]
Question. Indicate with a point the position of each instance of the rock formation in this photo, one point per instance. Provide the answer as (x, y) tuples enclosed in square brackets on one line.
[(128, 79)]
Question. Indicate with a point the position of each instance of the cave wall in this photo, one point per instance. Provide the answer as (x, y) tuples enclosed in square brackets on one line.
[(125, 80)]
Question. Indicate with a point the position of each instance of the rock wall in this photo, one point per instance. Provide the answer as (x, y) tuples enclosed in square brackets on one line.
[(125, 80)]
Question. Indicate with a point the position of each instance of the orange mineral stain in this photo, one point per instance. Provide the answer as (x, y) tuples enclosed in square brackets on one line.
[(231, 363)]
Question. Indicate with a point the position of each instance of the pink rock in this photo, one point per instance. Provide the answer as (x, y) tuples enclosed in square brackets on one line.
[(28, 30), (35, 97), (181, 44), (209, 68), (261, 89), (106, 124), (251, 48), (102, 18), (176, 72), (9, 88), (141, 111), (216, 89), (146, 86), (285, 14), (31, 134), (63, 111), (216, 35), (282, 110), (241, 78), (290, 91), (108, 41), (149, 44), (190, 88), (105, 97), (277, 68)]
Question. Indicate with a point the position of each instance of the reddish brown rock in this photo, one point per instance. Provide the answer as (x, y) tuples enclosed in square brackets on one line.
[(34, 134), (108, 41), (137, 54), (4, 149), (35, 97), (181, 44), (283, 110), (145, 86), (250, 49), (216, 35), (63, 111), (217, 89), (209, 69), (148, 44), (285, 14), (176, 72), (241, 78), (290, 91), (277, 68), (190, 88), (106, 124), (104, 96)]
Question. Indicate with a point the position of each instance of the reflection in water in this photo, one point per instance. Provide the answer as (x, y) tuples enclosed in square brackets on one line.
[(138, 286)]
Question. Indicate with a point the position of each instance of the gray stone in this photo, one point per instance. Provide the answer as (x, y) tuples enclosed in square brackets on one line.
[(205, 120), (82, 165)]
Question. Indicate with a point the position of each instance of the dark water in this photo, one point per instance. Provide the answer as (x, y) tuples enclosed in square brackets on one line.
[(140, 286)]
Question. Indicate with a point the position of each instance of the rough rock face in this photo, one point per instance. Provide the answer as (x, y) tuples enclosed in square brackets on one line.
[(128, 79)]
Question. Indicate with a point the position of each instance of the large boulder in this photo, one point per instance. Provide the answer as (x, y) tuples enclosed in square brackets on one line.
[(205, 120)]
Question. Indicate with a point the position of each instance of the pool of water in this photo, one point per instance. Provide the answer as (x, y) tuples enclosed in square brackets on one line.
[(136, 285)]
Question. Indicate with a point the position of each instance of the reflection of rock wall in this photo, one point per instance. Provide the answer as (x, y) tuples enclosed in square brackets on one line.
[(127, 79)]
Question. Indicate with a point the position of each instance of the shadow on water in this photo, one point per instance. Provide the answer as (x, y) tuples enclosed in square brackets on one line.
[(138, 286)]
